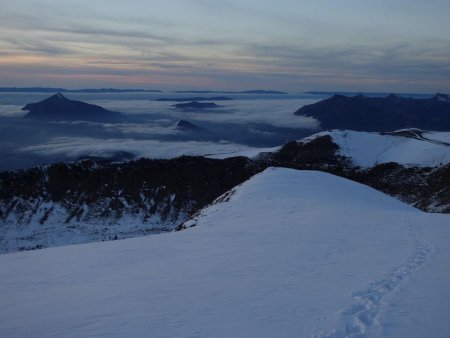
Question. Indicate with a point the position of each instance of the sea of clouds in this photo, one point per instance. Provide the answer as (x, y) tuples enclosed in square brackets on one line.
[(245, 124)]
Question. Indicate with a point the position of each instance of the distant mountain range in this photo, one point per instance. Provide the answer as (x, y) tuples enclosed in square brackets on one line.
[(115, 90), (371, 94), (63, 90), (388, 113), (59, 108)]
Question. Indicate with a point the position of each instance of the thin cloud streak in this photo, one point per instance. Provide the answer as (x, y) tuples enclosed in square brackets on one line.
[(72, 148)]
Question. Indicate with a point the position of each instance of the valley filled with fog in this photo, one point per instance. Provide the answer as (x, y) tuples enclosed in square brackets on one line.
[(149, 127)]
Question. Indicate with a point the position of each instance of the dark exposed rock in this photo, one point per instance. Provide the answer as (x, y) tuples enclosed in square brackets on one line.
[(321, 150), (392, 112), (59, 108), (101, 192)]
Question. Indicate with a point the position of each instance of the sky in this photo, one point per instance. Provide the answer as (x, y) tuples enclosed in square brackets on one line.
[(290, 45)]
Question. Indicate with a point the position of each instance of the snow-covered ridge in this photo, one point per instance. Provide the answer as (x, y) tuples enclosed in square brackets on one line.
[(88, 201), (276, 187), (367, 149), (288, 254)]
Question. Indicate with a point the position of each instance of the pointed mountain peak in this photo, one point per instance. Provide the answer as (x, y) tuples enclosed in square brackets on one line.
[(58, 107), (58, 96), (186, 125)]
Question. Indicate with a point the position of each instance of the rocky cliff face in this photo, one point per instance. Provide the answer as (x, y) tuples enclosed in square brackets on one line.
[(91, 201)]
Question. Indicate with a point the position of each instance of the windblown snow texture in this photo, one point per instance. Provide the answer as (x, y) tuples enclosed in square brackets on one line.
[(287, 254)]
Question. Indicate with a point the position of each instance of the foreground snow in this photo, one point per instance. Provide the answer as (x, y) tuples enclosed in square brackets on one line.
[(368, 149), (287, 254)]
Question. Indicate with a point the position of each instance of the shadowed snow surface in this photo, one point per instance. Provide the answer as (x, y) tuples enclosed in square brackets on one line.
[(287, 254)]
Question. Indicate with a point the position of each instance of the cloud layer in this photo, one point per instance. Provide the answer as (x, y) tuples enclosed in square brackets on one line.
[(71, 148), (245, 124)]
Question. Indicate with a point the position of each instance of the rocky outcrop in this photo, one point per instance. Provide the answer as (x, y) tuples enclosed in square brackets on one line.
[(91, 201)]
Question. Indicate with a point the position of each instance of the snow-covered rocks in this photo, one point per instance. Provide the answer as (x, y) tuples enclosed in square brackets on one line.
[(367, 149)]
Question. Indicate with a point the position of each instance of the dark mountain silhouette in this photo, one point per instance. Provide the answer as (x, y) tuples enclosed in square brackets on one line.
[(370, 94), (184, 125), (63, 90), (59, 108), (198, 98), (380, 113), (196, 105), (194, 132)]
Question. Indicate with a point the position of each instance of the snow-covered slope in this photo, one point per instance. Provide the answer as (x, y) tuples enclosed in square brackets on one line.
[(443, 137), (368, 149), (286, 254)]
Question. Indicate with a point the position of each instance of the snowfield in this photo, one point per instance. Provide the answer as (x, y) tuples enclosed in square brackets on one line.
[(286, 254), (438, 136), (367, 149)]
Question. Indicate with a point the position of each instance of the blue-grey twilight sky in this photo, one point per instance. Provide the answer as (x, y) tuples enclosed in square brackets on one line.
[(292, 45)]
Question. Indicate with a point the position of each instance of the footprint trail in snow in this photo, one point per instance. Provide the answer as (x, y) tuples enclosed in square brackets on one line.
[(361, 319)]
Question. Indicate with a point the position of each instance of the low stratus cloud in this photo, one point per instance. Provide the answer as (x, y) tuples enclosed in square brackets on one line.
[(142, 128), (167, 128), (7, 110), (71, 148), (277, 113), (242, 111)]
